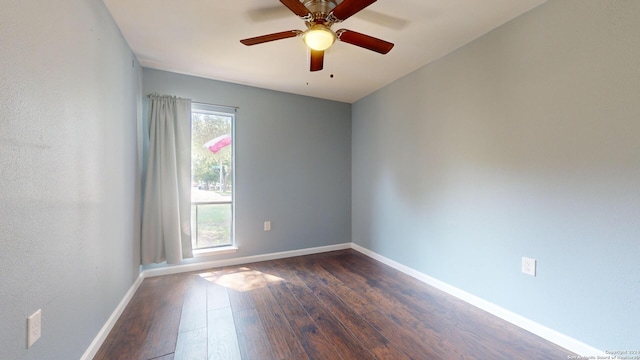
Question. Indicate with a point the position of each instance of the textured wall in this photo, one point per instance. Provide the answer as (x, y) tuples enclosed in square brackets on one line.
[(69, 100), (293, 163), (521, 143)]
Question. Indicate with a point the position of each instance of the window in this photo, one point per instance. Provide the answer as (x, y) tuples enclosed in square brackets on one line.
[(212, 169)]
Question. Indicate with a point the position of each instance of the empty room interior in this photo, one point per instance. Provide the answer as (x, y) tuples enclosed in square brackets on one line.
[(447, 179)]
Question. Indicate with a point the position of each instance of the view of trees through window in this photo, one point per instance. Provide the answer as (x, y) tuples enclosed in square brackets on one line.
[(211, 179)]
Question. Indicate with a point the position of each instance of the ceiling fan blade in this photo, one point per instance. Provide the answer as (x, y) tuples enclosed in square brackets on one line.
[(297, 7), (364, 41), (347, 8), (271, 37), (317, 60)]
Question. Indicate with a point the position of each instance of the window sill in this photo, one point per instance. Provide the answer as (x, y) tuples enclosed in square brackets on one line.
[(215, 251)]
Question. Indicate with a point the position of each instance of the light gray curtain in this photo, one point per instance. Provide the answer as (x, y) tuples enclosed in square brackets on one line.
[(166, 207)]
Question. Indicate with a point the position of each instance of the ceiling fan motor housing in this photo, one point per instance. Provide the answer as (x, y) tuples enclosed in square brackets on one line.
[(320, 8)]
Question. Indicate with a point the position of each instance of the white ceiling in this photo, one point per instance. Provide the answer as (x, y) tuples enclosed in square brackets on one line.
[(201, 38)]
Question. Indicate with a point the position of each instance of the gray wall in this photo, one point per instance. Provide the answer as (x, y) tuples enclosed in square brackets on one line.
[(522, 143), (69, 100), (293, 163)]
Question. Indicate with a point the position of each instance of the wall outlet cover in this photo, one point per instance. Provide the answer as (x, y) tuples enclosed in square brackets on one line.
[(529, 266), (34, 324)]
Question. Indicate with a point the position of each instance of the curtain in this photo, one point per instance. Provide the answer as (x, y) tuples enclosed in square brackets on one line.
[(166, 206)]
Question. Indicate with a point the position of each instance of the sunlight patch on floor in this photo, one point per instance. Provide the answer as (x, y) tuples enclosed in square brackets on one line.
[(242, 279)]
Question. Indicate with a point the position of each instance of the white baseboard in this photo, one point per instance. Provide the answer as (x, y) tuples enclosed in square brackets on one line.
[(550, 335), (111, 322), (177, 269)]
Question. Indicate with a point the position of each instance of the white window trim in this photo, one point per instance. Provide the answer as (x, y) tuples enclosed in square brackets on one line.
[(221, 250), (224, 110)]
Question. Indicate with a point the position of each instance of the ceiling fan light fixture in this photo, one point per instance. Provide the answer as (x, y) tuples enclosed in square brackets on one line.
[(319, 37)]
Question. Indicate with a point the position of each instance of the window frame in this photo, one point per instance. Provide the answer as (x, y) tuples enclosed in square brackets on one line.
[(227, 112)]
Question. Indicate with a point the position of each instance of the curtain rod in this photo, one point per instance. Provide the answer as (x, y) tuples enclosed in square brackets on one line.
[(218, 105), (199, 102)]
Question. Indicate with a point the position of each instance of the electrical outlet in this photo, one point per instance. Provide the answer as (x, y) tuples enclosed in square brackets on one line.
[(267, 226), (528, 266), (34, 324)]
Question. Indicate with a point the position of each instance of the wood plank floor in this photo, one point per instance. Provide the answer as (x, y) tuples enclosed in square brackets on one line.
[(337, 305)]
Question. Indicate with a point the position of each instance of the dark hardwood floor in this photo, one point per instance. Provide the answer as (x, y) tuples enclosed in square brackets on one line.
[(337, 305)]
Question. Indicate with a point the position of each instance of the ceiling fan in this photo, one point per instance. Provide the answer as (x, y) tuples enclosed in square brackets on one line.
[(319, 16)]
